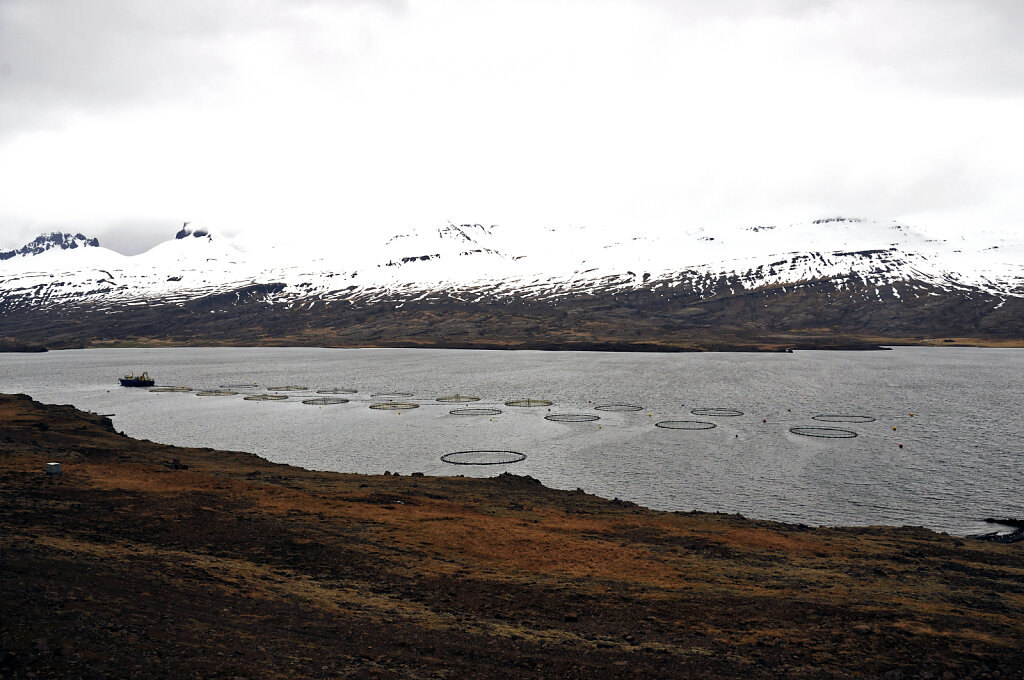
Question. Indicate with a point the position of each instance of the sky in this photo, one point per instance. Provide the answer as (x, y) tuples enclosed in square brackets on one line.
[(348, 119)]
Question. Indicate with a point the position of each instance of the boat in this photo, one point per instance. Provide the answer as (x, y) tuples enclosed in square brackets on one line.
[(132, 380)]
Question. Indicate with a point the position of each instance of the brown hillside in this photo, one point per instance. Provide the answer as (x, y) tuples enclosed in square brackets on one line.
[(131, 566)]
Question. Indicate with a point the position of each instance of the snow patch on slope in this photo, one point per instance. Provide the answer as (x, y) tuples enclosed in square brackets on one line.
[(472, 261)]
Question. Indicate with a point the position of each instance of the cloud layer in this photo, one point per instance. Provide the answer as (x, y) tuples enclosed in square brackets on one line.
[(127, 117)]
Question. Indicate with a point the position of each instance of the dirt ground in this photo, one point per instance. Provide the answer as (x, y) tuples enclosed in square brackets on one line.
[(129, 566)]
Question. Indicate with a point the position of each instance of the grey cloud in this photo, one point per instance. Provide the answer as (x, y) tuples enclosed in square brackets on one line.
[(131, 237), (62, 56), (14, 235), (938, 45)]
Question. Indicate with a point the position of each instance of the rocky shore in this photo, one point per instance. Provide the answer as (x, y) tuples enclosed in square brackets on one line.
[(9, 345), (145, 561)]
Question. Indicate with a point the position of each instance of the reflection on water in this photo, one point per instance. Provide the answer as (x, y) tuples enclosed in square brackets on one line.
[(955, 411)]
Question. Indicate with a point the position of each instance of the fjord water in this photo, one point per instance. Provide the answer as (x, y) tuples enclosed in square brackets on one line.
[(959, 462)]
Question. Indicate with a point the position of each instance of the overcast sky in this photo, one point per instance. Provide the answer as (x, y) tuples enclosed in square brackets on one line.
[(124, 118)]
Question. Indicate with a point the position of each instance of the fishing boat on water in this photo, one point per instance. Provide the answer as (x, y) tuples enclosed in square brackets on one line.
[(132, 380)]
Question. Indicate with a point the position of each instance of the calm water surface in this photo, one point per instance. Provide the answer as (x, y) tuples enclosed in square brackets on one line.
[(960, 460)]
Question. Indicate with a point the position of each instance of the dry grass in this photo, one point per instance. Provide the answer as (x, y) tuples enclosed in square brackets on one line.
[(425, 577)]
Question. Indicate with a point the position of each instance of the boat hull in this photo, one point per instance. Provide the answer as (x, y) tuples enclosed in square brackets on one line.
[(135, 382)]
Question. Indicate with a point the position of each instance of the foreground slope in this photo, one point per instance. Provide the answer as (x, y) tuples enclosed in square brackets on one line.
[(131, 566)]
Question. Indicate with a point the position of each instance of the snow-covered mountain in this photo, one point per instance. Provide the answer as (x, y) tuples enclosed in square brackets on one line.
[(472, 264), (41, 244)]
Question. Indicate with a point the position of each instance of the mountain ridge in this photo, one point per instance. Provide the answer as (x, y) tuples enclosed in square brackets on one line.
[(55, 239), (830, 278)]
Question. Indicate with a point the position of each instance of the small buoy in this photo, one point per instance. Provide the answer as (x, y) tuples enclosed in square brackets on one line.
[(911, 415), (764, 420), (599, 426), (491, 419), (790, 410), (649, 415), (894, 427), (901, 446)]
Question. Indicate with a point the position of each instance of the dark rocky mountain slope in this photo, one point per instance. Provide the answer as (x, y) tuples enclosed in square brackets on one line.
[(833, 283)]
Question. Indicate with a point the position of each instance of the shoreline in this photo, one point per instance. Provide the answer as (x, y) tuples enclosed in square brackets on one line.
[(960, 524), (879, 344), (150, 560)]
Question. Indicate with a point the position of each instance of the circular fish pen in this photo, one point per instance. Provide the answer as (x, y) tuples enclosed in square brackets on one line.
[(834, 418), (324, 401), (619, 408), (475, 411), (170, 389), (337, 390), (685, 425), (716, 412), (824, 432), (391, 395), (393, 406), (572, 417), (264, 397), (216, 393), (288, 388), (483, 457), (239, 386), (529, 403), (457, 399)]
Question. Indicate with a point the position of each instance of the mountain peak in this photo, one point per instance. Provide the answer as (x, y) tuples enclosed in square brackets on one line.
[(463, 232), (197, 232), (56, 239), (826, 220)]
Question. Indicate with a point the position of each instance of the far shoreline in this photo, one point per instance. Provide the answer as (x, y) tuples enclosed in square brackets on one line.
[(838, 343), (879, 345)]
